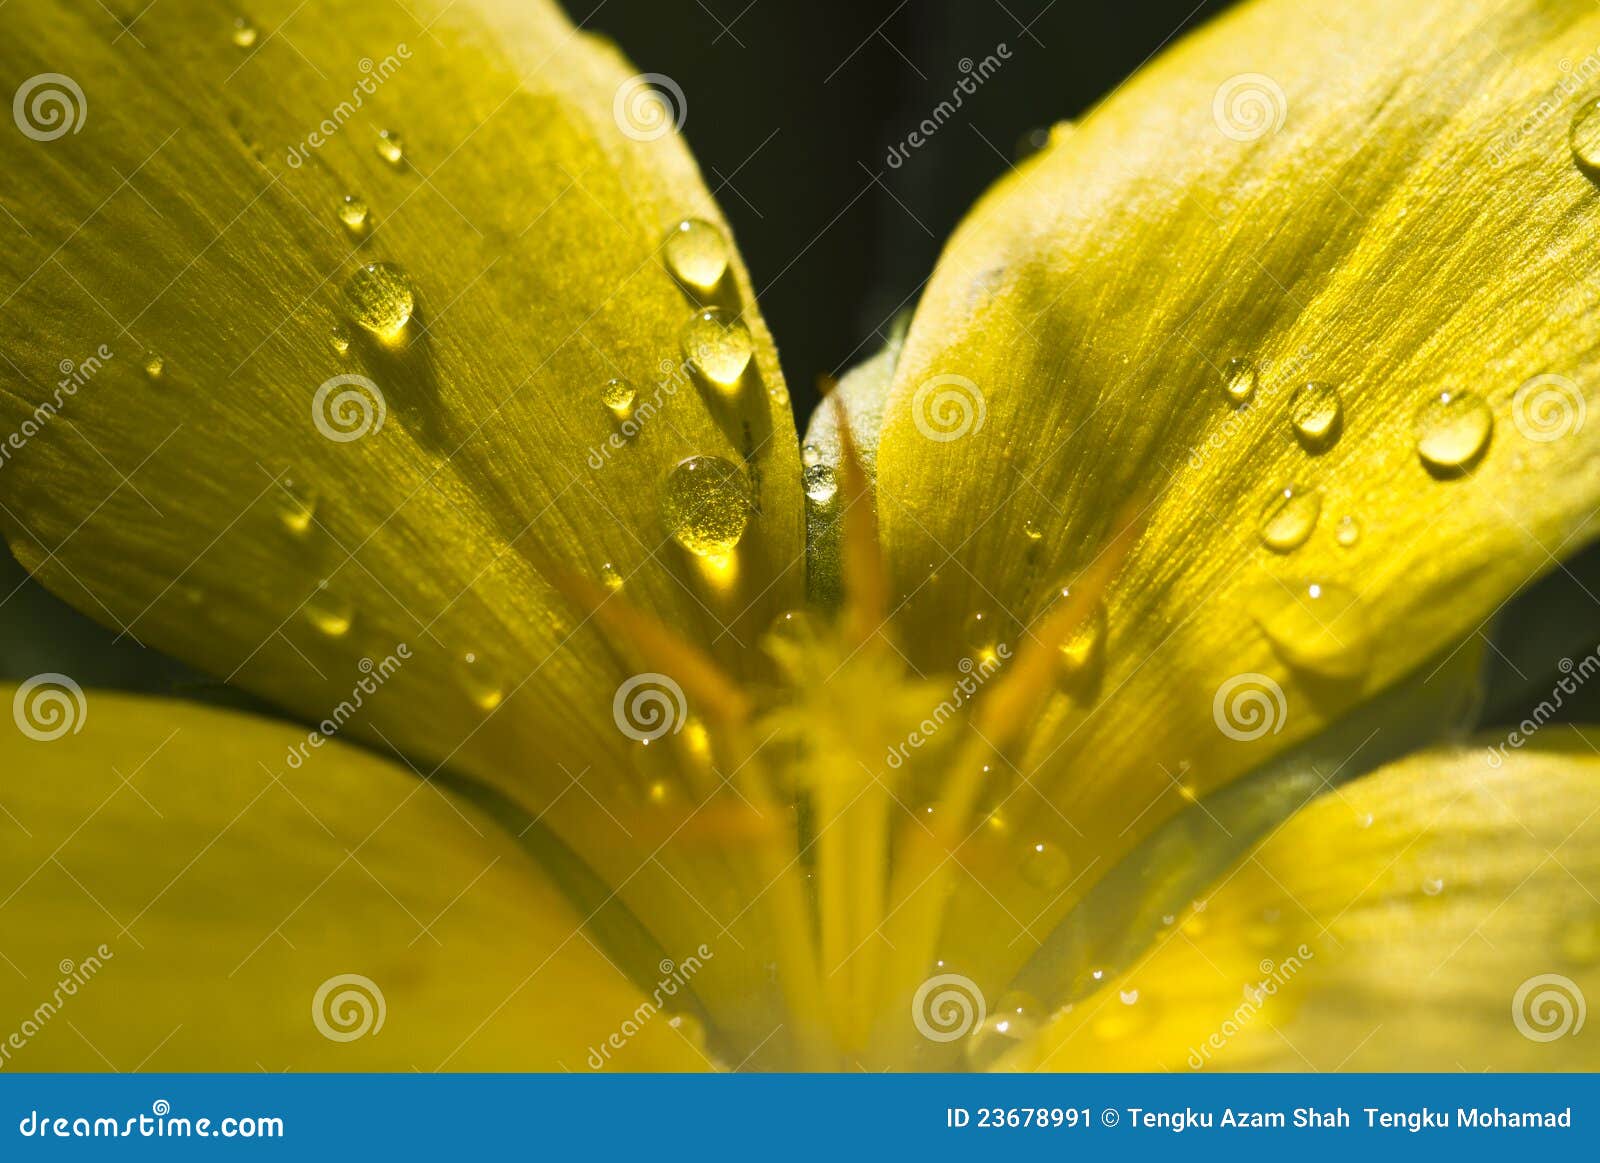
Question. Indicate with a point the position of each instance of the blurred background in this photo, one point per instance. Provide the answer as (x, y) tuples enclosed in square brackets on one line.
[(792, 109)]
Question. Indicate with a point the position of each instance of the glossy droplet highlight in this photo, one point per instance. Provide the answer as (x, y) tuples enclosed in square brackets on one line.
[(1347, 532), (339, 340), (1316, 627), (821, 483), (390, 147), (611, 577), (1432, 886), (706, 505), (353, 213), (1452, 429), (297, 508), (696, 254), (1584, 136), (1288, 518), (329, 613), (618, 395), (480, 683), (244, 33), (717, 344), (154, 365), (1239, 379), (1032, 530), (1316, 413), (810, 454), (1081, 651), (379, 298)]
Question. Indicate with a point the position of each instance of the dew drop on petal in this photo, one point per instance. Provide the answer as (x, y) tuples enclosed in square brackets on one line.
[(719, 345), (1289, 517), (1239, 377), (1432, 886), (1348, 531), (1317, 627), (706, 505), (154, 365), (1452, 430), (1032, 530), (297, 507), (478, 680), (696, 254), (244, 33), (611, 577), (353, 213), (821, 483), (1045, 866), (379, 298), (1080, 651), (339, 339), (1316, 412), (618, 395), (329, 612), (390, 147)]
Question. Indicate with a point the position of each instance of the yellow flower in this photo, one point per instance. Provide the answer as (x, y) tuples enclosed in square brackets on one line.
[(393, 365)]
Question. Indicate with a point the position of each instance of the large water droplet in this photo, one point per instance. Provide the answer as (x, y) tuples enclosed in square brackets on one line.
[(1316, 413), (1239, 378), (1288, 518), (379, 298), (821, 483), (329, 612), (1584, 135), (339, 339), (244, 33), (618, 395), (697, 254), (1317, 627), (353, 213), (719, 345), (706, 505), (1032, 530), (1453, 429), (391, 148)]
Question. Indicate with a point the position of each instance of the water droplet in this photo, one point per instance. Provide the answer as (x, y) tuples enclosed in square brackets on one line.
[(244, 33), (1080, 651), (1014, 1020), (339, 339), (1348, 531), (1032, 530), (611, 577), (618, 395), (1585, 136), (154, 365), (1580, 942), (719, 345), (1452, 430), (1288, 518), (810, 454), (1316, 412), (330, 613), (379, 298), (821, 484), (480, 684), (353, 213), (1318, 627), (1045, 866), (390, 147), (706, 505), (691, 1027), (1432, 886), (1239, 378), (697, 254), (978, 631), (1364, 820), (296, 508)]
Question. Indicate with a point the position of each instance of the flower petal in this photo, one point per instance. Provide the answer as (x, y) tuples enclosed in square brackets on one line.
[(1405, 222), (1440, 914), (206, 891), (240, 509)]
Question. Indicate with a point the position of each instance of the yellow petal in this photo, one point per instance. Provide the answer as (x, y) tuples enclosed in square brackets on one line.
[(234, 505), (177, 894), (1396, 226), (1440, 914)]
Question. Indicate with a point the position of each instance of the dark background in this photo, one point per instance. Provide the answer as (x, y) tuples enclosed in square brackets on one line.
[(792, 106)]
